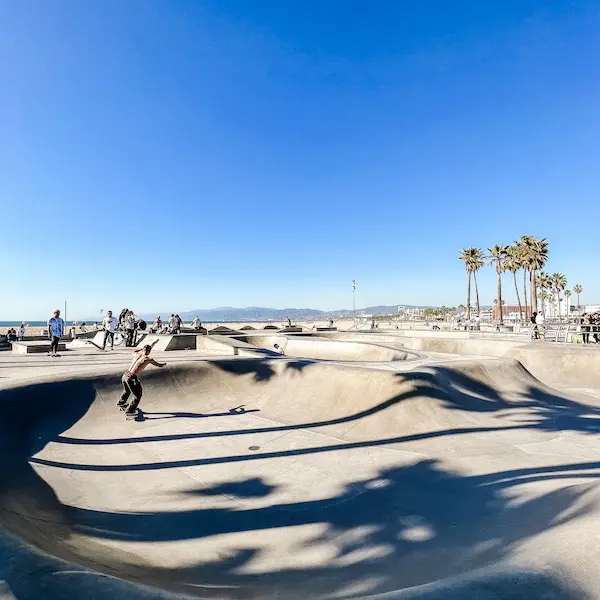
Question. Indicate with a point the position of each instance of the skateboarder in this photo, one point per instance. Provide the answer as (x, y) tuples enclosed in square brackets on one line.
[(131, 383), (56, 328)]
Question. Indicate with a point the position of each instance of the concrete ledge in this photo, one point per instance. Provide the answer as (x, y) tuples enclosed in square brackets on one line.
[(35, 347)]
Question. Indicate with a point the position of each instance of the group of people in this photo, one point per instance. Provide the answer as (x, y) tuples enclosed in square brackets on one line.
[(173, 325), (590, 322), (14, 335)]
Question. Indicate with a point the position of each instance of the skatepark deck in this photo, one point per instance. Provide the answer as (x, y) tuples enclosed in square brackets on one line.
[(258, 478)]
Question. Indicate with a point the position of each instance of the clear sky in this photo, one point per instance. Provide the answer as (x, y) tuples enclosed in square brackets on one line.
[(181, 154)]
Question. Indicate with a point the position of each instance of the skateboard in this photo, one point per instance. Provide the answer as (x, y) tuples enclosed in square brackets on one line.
[(129, 417)]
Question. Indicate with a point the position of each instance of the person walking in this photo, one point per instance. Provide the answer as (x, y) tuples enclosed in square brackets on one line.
[(536, 335), (131, 382), (56, 329), (539, 323), (172, 323), (130, 329), (22, 332), (110, 324)]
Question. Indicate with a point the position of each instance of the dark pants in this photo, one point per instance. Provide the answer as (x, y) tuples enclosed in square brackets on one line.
[(131, 385), (585, 335), (54, 344), (109, 335), (130, 336)]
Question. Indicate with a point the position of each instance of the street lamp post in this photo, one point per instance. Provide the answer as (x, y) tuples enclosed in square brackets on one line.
[(354, 302)]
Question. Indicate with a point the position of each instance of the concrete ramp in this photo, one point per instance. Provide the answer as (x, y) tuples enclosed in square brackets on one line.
[(229, 346), (323, 349), (163, 343), (250, 479)]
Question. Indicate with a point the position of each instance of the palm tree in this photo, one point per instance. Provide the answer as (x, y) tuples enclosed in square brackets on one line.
[(543, 282), (521, 257), (476, 264), (513, 263), (559, 283), (578, 289), (535, 257), (568, 294), (465, 256), (496, 256)]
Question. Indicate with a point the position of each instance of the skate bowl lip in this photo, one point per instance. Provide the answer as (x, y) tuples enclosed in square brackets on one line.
[(323, 349)]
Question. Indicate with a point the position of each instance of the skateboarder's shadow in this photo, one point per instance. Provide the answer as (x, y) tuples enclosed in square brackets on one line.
[(152, 416)]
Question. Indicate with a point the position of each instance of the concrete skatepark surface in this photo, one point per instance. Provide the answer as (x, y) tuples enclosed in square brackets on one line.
[(264, 477)]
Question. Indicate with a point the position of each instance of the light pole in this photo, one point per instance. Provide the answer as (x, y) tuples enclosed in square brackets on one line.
[(354, 302)]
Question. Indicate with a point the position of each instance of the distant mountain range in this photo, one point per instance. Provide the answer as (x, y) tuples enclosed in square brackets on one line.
[(259, 313)]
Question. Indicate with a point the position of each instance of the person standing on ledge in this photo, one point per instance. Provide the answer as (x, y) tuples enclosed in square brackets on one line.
[(56, 329), (131, 382)]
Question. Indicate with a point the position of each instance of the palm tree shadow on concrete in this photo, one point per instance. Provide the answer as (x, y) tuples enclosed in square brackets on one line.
[(404, 527), (408, 525)]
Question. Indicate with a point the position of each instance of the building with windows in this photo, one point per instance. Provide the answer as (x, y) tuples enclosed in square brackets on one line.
[(510, 312)]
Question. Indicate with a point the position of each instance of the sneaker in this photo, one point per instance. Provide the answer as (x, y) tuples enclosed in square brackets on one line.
[(122, 403), (131, 413)]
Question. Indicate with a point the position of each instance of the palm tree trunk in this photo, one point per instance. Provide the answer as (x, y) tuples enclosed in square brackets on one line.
[(469, 296), (559, 313), (476, 292), (518, 296), (533, 291), (501, 322), (525, 292), (578, 306)]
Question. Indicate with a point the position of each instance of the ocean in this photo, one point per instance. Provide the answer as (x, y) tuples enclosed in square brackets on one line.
[(36, 323)]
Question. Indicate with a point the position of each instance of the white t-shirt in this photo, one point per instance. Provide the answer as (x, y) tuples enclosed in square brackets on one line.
[(171, 321), (110, 324), (196, 322), (130, 323), (539, 320)]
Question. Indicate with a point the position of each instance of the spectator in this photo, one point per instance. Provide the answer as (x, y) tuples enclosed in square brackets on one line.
[(129, 328), (22, 332), (586, 321), (110, 324), (196, 324)]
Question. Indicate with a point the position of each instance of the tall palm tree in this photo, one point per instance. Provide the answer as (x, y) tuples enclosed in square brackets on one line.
[(568, 294), (496, 256), (578, 289), (521, 253), (535, 257), (513, 263), (559, 283), (476, 264), (465, 256), (543, 283)]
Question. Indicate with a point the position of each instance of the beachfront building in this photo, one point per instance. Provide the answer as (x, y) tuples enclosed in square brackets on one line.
[(510, 312), (554, 308)]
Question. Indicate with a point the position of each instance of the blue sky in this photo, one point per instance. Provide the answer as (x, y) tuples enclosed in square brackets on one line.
[(172, 155)]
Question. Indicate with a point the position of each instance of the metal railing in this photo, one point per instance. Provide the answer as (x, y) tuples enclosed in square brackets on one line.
[(565, 334)]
